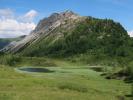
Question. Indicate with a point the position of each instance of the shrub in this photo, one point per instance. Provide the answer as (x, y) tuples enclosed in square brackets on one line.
[(8, 59), (129, 70), (132, 90)]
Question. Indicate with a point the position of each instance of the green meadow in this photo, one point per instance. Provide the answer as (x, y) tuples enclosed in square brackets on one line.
[(65, 81)]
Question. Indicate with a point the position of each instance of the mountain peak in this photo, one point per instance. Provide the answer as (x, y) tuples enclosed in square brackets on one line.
[(55, 20), (68, 13)]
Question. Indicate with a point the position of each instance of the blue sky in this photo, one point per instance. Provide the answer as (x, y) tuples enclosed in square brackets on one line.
[(34, 10)]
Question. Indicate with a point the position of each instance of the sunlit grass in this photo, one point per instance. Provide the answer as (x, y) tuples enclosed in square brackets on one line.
[(65, 83)]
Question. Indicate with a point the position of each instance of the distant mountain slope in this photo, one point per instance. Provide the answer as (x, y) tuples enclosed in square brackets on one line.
[(64, 34), (6, 41), (3, 43)]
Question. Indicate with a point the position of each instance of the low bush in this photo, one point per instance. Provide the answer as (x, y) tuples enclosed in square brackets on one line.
[(129, 70), (8, 59)]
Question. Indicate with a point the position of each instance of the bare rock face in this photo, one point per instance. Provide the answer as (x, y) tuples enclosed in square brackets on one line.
[(44, 27), (54, 21)]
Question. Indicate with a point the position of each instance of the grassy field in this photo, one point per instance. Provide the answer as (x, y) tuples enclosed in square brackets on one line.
[(68, 81)]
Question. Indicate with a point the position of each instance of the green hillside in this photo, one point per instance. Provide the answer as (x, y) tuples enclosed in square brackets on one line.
[(91, 35)]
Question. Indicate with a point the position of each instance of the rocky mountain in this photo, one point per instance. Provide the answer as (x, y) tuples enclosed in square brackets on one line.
[(68, 33), (43, 29)]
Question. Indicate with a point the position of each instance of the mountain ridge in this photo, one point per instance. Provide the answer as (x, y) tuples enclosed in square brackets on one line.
[(67, 33)]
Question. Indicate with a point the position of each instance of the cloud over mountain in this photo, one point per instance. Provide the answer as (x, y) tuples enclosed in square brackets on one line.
[(29, 16), (13, 26)]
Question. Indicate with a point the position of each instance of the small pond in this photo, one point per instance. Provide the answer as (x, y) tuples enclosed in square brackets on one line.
[(40, 70)]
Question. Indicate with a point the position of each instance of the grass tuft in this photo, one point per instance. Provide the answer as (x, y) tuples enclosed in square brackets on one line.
[(73, 86)]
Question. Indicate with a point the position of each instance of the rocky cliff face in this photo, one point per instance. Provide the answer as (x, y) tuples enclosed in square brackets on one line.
[(43, 29)]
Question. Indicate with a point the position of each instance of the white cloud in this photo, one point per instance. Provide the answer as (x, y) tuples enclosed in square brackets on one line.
[(11, 24), (29, 16), (6, 13), (130, 33), (12, 27)]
